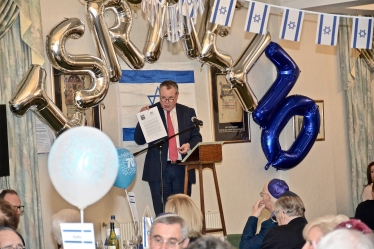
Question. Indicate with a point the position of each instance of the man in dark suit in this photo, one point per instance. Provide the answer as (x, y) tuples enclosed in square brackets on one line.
[(176, 118)]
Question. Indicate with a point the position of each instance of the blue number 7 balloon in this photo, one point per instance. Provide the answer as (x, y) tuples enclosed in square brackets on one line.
[(275, 109)]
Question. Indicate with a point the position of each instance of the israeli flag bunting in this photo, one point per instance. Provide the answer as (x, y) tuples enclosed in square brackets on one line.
[(292, 24), (257, 18), (362, 32), (223, 12), (327, 29)]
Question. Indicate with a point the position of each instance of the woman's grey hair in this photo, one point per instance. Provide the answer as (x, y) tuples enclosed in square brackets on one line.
[(325, 223), (170, 219), (343, 238), (209, 242), (63, 216), (292, 206)]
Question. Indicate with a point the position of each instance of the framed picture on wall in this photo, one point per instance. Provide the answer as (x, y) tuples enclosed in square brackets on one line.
[(298, 122), (65, 85), (230, 122)]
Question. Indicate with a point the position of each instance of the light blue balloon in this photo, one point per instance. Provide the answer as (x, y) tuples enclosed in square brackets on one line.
[(126, 169)]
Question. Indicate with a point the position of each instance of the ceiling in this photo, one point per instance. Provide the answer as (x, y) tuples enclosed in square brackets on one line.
[(349, 7)]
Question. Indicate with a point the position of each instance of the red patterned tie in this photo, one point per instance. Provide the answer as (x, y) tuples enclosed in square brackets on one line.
[(173, 152)]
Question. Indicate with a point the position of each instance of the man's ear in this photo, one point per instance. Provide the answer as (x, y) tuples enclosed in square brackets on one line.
[(185, 242)]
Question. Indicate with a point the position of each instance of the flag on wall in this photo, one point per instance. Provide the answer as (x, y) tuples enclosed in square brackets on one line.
[(362, 32), (223, 12), (257, 18), (292, 24), (327, 29), (139, 88)]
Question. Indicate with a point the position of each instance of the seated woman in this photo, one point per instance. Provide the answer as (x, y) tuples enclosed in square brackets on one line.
[(63, 216), (8, 215), (186, 208), (289, 211), (366, 193), (315, 230)]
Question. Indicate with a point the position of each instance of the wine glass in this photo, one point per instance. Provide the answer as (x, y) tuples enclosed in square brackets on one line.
[(99, 244)]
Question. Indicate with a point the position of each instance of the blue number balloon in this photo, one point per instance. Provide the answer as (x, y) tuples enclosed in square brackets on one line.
[(275, 109), (126, 169)]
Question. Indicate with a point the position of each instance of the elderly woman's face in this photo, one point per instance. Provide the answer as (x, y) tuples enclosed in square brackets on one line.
[(9, 238), (314, 236)]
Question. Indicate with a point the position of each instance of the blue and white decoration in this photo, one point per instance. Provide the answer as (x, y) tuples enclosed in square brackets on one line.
[(140, 88), (362, 33), (257, 18), (328, 26), (292, 24), (126, 169), (223, 12)]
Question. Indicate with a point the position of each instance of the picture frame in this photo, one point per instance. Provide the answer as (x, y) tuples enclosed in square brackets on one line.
[(64, 86), (230, 122), (298, 121)]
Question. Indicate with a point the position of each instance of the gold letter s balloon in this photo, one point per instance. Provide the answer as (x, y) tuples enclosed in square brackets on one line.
[(30, 94), (77, 64)]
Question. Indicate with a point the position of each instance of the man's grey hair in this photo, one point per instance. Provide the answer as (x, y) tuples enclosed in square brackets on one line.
[(209, 242), (343, 238), (171, 219)]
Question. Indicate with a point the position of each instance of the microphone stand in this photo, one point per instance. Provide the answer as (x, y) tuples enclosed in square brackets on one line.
[(159, 145)]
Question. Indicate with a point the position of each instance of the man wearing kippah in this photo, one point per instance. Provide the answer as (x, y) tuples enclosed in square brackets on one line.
[(270, 193)]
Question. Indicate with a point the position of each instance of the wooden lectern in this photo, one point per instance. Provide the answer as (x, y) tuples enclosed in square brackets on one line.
[(205, 155)]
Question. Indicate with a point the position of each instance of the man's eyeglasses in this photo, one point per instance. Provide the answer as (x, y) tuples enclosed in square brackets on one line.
[(171, 243), (170, 99), (20, 208), (11, 247)]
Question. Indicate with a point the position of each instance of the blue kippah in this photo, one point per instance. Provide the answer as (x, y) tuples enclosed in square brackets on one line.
[(277, 187)]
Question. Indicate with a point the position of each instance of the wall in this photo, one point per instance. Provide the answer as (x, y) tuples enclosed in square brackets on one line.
[(323, 177)]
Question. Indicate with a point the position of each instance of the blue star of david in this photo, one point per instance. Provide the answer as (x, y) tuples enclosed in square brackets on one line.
[(153, 96), (257, 18), (327, 30), (291, 25), (222, 10), (362, 33)]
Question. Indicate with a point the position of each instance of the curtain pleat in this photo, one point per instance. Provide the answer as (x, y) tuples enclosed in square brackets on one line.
[(8, 14)]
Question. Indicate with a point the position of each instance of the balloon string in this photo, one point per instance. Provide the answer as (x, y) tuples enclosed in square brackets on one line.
[(82, 215)]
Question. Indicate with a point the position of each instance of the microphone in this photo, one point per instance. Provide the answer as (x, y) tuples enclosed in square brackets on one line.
[(196, 121)]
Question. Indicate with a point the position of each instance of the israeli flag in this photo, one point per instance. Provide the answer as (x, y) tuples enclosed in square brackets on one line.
[(327, 29), (139, 88), (292, 24), (257, 18), (362, 32), (223, 12)]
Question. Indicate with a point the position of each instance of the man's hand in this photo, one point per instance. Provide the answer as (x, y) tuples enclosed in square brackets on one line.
[(144, 108), (257, 208), (184, 148)]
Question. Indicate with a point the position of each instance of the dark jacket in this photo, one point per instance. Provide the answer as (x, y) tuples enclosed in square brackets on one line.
[(151, 171), (288, 236), (251, 240), (365, 213)]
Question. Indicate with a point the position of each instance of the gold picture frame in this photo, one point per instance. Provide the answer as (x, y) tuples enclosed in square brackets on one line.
[(64, 86), (229, 122), (298, 121)]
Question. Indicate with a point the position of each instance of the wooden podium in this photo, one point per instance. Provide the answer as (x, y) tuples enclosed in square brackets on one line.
[(205, 155)]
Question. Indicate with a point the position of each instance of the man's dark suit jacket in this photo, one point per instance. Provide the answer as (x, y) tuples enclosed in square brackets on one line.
[(288, 236), (151, 171)]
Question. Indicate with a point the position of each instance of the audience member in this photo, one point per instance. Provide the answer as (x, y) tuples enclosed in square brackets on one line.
[(209, 242), (270, 193), (9, 238), (170, 229), (8, 215), (12, 197), (355, 224), (289, 211), (366, 193), (315, 230), (365, 211), (63, 216), (345, 239), (185, 207)]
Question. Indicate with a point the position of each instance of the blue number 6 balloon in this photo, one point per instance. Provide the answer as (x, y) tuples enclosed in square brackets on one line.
[(275, 109)]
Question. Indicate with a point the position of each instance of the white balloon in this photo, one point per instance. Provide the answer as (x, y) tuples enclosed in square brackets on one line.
[(83, 165)]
